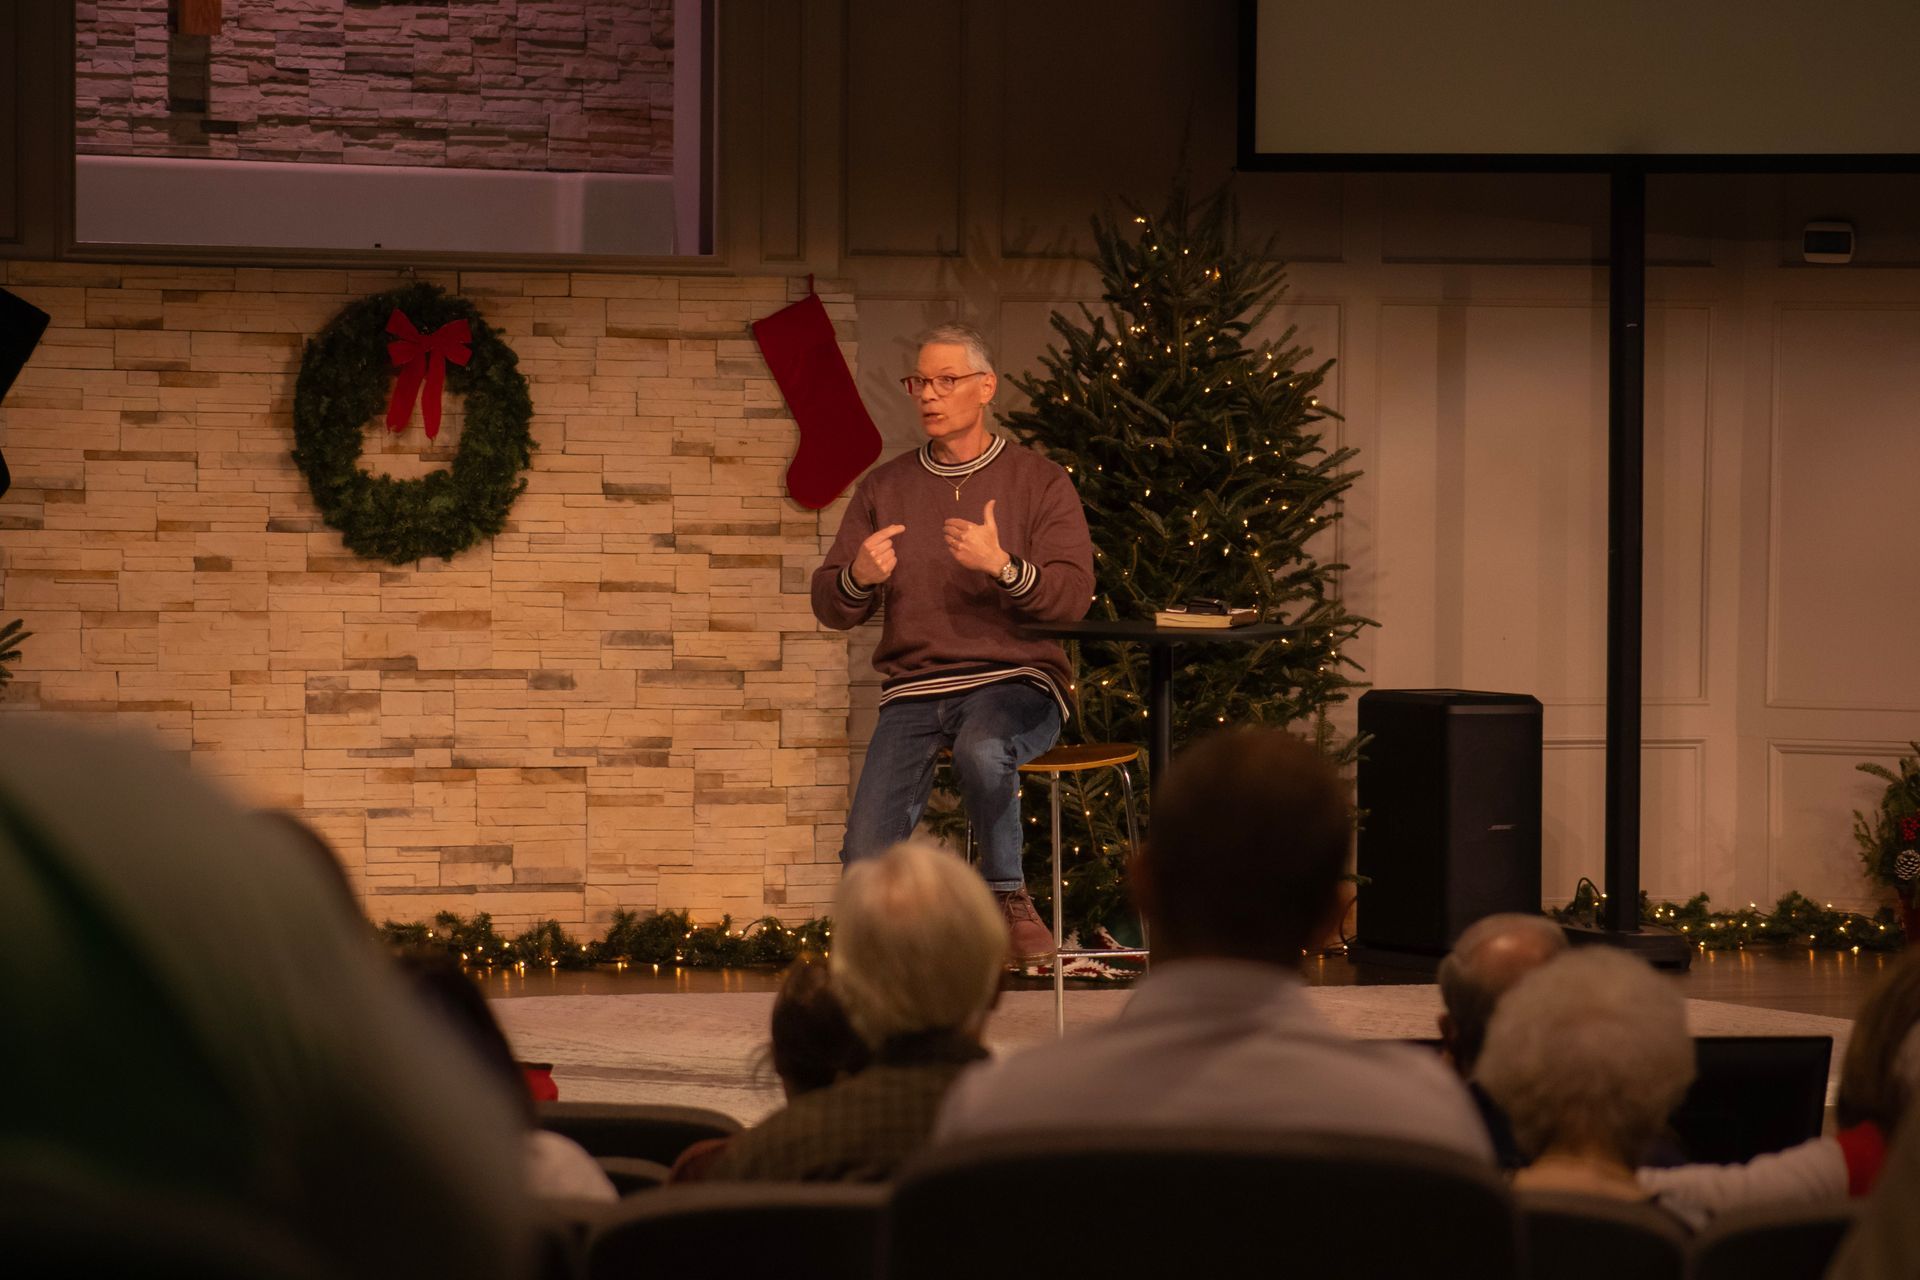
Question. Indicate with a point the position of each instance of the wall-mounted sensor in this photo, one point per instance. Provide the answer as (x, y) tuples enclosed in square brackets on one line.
[(1827, 242)]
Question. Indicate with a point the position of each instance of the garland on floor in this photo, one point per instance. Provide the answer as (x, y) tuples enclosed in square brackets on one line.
[(1795, 920), (659, 938), (671, 938)]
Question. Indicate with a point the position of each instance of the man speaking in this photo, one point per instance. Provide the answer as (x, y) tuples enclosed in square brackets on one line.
[(963, 541)]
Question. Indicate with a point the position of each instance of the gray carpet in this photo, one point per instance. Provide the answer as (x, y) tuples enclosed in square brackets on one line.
[(707, 1050)]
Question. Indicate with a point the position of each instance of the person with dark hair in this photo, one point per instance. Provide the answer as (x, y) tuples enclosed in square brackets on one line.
[(813, 1045), (1241, 872), (1879, 1078), (557, 1167), (1885, 1241)]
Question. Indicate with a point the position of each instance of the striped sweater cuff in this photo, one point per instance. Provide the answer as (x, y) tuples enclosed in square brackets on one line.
[(1025, 579), (853, 591)]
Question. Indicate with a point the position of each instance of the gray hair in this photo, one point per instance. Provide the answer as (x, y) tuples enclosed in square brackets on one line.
[(1590, 1050), (1491, 955), (918, 944), (979, 355)]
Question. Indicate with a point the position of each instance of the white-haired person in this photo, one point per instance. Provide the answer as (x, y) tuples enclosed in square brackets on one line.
[(918, 949), (1588, 1055), (955, 546), (1489, 957)]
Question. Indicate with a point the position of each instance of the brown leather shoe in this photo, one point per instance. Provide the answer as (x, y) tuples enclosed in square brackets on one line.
[(1029, 939)]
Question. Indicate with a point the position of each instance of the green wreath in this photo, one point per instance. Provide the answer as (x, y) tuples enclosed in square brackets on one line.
[(344, 380)]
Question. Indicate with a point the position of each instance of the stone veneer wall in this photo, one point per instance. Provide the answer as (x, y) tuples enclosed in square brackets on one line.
[(482, 84), (622, 701)]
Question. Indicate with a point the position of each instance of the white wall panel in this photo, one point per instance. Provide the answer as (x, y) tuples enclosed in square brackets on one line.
[(903, 175), (1025, 332), (889, 331), (1678, 479), (1573, 817), (1491, 467), (1813, 789), (1067, 151), (1843, 609), (1494, 217), (1492, 516)]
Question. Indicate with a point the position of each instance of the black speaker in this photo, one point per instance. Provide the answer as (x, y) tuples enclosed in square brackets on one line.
[(1449, 793), (21, 324)]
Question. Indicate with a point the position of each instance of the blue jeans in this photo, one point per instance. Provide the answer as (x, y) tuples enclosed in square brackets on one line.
[(993, 730)]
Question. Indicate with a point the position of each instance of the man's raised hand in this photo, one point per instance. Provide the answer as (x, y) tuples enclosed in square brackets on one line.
[(976, 546), (873, 563)]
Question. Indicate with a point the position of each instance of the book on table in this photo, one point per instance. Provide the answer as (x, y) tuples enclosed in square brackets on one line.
[(1180, 615)]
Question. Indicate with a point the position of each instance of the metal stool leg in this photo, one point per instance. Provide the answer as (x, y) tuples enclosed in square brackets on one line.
[(1059, 969), (1133, 842)]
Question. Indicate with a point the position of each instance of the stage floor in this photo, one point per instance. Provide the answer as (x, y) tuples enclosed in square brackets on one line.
[(698, 1038)]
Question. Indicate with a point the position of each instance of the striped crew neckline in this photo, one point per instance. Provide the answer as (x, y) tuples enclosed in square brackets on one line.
[(948, 471)]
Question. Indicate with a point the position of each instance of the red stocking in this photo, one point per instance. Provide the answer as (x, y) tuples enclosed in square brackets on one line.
[(837, 437)]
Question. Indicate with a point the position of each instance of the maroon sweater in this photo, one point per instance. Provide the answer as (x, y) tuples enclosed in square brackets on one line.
[(946, 629)]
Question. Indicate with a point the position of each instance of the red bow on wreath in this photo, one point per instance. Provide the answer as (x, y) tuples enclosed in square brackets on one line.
[(422, 358)]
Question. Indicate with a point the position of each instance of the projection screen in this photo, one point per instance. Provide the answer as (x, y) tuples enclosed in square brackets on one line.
[(1520, 84)]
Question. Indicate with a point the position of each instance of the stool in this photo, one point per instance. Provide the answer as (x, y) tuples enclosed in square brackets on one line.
[(1079, 759)]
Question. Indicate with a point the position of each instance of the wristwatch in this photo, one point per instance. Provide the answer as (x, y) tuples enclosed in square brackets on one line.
[(1009, 572)]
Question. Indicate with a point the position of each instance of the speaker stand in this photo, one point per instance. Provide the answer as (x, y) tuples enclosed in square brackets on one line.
[(1661, 948), (1360, 951)]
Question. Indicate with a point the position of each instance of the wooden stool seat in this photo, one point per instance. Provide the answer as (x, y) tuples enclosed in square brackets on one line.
[(1078, 759), (1053, 765)]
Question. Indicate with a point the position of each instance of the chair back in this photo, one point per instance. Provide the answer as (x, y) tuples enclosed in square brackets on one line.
[(1576, 1237), (1790, 1242), (1198, 1202), (61, 1225), (802, 1231), (633, 1130)]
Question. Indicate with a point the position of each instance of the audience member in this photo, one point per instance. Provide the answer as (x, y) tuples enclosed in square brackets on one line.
[(918, 946), (1885, 1243), (1242, 870), (813, 1045), (1588, 1055), (1878, 1080), (557, 1167), (192, 1008), (316, 846), (1490, 955), (813, 1042)]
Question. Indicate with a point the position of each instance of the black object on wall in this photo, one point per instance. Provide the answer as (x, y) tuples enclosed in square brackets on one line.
[(21, 324), (1450, 815)]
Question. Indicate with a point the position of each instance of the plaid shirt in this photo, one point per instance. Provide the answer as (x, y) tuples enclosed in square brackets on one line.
[(859, 1129)]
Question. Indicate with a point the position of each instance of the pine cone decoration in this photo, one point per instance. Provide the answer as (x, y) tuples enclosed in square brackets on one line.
[(1906, 864)]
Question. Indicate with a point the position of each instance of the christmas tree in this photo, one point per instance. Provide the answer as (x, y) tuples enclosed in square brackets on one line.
[(1196, 450)]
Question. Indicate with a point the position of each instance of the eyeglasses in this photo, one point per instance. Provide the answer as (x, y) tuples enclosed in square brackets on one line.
[(942, 384)]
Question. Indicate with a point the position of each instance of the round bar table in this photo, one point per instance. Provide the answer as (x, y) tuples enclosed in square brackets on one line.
[(1160, 641)]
